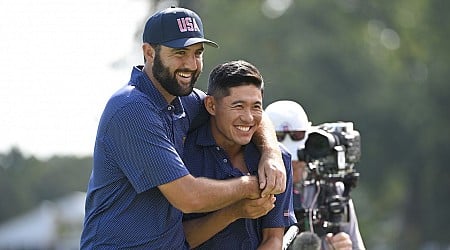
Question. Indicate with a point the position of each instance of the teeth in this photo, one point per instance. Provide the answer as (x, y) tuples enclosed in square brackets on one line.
[(184, 74), (243, 128)]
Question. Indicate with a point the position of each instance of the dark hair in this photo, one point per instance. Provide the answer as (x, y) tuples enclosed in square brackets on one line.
[(232, 74), (156, 47)]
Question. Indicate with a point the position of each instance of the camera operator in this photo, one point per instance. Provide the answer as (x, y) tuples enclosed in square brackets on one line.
[(291, 124)]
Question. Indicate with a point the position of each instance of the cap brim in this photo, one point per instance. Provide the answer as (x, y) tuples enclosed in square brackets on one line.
[(184, 42)]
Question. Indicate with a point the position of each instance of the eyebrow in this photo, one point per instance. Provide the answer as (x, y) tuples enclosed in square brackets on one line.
[(240, 101), (178, 49)]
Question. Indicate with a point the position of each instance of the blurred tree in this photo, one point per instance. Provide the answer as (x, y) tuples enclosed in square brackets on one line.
[(26, 181), (381, 64)]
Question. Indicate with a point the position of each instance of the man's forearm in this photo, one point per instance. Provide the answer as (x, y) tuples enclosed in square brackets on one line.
[(202, 229), (272, 239), (217, 194), (193, 195), (265, 138), (271, 169)]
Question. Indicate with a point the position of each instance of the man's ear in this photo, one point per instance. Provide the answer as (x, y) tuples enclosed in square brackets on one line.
[(210, 104), (149, 52)]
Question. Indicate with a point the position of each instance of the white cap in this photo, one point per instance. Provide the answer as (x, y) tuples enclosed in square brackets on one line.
[(289, 116)]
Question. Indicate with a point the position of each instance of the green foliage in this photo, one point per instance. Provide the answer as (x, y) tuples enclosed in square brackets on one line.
[(26, 181), (381, 64)]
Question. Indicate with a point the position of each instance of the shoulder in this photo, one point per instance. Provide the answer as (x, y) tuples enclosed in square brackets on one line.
[(194, 101), (199, 93), (195, 96), (200, 137), (194, 108), (129, 95), (131, 106)]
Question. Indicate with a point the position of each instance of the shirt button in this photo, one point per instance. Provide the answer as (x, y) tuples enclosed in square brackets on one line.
[(169, 108), (225, 160), (217, 148)]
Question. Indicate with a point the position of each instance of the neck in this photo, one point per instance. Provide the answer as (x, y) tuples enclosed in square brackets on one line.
[(234, 151), (229, 146)]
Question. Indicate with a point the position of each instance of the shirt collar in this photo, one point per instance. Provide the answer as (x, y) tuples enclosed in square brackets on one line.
[(206, 139), (140, 80), (204, 135)]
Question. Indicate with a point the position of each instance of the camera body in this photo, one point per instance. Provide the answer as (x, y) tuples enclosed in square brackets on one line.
[(333, 148), (331, 152)]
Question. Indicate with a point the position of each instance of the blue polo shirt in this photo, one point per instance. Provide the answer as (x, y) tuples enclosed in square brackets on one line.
[(138, 146), (204, 158)]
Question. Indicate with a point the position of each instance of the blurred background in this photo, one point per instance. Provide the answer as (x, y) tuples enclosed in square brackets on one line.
[(383, 65)]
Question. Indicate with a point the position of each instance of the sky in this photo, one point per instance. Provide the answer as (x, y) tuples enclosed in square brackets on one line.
[(60, 61)]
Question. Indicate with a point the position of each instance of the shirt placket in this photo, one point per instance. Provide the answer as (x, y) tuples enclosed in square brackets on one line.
[(224, 164)]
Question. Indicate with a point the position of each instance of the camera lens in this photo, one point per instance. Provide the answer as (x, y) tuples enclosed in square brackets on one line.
[(319, 144)]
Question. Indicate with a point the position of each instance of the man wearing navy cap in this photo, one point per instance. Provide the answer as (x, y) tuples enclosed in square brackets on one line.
[(139, 186)]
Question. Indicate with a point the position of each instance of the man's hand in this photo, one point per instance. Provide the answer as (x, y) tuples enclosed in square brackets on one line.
[(272, 174), (340, 241), (252, 209), (250, 183), (271, 169)]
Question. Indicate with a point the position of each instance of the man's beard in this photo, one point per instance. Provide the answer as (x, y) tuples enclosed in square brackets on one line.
[(169, 81)]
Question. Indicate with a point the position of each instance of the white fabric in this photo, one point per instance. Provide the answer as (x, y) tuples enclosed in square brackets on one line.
[(288, 115)]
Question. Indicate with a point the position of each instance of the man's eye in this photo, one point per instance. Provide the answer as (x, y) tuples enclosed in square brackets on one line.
[(199, 54)]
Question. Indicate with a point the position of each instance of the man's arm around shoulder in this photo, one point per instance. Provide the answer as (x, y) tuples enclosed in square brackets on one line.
[(195, 195)]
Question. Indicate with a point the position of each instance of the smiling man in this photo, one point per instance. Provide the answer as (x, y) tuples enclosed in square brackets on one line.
[(222, 149), (139, 185)]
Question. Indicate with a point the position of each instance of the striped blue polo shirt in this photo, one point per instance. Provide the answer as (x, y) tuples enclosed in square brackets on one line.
[(138, 146), (204, 158)]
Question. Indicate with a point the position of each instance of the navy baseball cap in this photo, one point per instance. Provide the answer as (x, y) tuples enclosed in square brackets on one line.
[(176, 28)]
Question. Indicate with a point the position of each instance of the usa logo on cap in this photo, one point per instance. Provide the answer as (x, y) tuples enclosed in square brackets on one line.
[(176, 28), (187, 24)]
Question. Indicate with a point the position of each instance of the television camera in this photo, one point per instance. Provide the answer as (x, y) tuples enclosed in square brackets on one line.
[(331, 152)]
